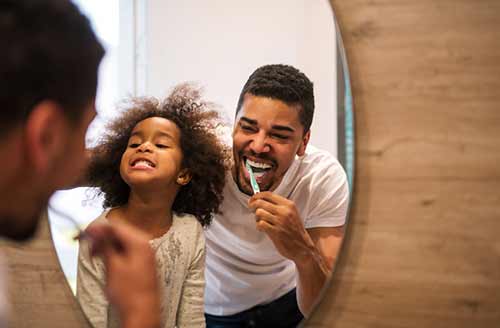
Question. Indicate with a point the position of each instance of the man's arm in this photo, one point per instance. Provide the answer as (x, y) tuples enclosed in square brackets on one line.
[(314, 271), (313, 251)]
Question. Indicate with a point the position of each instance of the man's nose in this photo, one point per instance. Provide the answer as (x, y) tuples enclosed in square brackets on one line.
[(259, 144)]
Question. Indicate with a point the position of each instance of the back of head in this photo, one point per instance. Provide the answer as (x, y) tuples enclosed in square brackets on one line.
[(285, 83), (49, 52)]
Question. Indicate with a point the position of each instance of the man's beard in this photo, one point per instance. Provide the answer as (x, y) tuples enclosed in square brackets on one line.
[(20, 228)]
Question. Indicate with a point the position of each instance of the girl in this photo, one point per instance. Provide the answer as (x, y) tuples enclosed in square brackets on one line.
[(161, 169)]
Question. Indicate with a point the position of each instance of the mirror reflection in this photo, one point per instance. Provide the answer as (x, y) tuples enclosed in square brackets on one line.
[(245, 208)]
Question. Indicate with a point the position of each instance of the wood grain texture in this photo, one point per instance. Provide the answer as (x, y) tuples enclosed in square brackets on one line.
[(422, 248), (38, 293)]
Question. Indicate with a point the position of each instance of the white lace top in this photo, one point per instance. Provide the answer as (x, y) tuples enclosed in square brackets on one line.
[(180, 257)]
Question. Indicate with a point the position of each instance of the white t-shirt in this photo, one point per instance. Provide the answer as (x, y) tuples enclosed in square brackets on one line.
[(243, 268)]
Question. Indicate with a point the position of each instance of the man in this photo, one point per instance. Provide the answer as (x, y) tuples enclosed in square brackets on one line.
[(48, 78), (270, 253)]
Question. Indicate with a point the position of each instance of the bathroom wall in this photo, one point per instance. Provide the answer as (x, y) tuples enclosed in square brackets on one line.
[(189, 40)]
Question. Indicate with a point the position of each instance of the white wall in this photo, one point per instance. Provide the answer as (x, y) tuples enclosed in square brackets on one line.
[(219, 43)]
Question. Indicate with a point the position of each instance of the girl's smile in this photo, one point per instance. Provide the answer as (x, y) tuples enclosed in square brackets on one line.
[(153, 156), (142, 164)]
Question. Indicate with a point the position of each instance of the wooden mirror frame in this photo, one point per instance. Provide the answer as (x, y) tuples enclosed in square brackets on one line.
[(422, 248)]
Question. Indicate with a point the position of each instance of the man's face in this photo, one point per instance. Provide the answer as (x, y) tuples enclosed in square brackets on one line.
[(64, 168), (268, 134)]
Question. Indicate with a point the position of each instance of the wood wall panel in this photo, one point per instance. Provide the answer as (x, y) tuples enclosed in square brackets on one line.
[(422, 248)]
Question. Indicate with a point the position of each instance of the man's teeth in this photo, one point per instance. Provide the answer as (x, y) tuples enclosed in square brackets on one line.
[(258, 165), (258, 174)]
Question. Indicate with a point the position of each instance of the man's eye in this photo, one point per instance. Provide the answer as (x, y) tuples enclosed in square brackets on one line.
[(279, 136), (247, 128)]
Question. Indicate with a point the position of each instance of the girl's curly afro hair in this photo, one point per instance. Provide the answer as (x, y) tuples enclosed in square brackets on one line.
[(203, 154)]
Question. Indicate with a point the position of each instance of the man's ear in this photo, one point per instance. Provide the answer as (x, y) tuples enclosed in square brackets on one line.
[(46, 131), (303, 143), (184, 177)]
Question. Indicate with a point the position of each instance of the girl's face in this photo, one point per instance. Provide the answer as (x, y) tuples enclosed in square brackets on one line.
[(153, 156)]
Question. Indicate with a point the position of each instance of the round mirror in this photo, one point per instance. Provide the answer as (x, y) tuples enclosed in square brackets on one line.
[(151, 47)]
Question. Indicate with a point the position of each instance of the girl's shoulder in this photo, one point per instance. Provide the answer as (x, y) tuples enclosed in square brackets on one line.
[(187, 223), (100, 219), (186, 233)]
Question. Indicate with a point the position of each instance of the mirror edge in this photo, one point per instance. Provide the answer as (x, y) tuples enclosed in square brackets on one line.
[(346, 156)]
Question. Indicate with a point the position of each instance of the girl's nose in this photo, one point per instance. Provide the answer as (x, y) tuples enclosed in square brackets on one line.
[(144, 147)]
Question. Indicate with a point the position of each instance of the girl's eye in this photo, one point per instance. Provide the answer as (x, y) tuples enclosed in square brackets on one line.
[(134, 145), (161, 146)]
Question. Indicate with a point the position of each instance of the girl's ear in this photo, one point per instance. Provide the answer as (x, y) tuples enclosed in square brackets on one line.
[(184, 177)]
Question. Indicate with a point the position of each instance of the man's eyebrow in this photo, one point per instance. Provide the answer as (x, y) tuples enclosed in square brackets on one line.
[(283, 128), (248, 120), (274, 127)]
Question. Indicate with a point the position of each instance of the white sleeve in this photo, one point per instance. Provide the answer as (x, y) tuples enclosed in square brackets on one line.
[(190, 312), (90, 287), (329, 198)]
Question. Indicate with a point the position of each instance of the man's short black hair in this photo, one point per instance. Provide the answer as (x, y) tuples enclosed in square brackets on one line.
[(48, 52), (285, 83)]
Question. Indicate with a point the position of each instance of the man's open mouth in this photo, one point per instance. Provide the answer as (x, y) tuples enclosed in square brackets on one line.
[(259, 168)]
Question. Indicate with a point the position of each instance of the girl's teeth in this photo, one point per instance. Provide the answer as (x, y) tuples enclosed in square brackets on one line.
[(143, 163)]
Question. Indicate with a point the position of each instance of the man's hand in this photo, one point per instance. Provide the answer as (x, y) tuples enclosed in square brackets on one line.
[(279, 219), (131, 282), (313, 251)]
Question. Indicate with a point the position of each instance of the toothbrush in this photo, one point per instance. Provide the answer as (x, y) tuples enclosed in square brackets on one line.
[(253, 182)]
